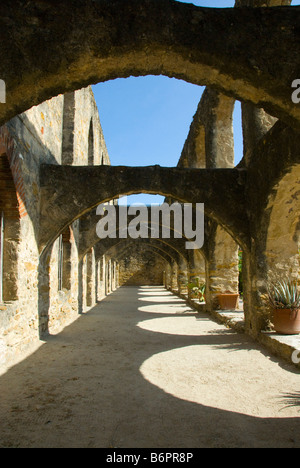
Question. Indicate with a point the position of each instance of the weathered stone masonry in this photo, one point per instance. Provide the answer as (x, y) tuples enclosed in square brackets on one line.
[(55, 168), (42, 293)]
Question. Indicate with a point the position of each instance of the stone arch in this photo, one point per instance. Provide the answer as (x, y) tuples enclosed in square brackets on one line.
[(283, 235), (103, 248), (80, 189), (57, 282), (170, 38), (89, 238)]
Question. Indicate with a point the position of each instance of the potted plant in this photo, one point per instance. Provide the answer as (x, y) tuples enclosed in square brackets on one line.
[(197, 290), (228, 300), (284, 301)]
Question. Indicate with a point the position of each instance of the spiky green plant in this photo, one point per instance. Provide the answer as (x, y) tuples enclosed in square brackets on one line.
[(197, 289), (284, 294)]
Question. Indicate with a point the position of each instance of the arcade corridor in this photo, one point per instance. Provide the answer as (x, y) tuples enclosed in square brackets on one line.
[(142, 369)]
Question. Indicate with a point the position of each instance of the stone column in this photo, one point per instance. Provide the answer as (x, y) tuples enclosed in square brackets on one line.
[(44, 293), (222, 272), (183, 278), (196, 270), (89, 279), (255, 121), (168, 276), (80, 286), (174, 276), (103, 276)]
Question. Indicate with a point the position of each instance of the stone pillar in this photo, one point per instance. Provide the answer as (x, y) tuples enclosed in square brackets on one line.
[(108, 278), (196, 270), (80, 286), (174, 276), (113, 275), (89, 280), (96, 280), (44, 293), (183, 278), (254, 282), (117, 275), (193, 277), (11, 240), (67, 263), (255, 121), (222, 266), (103, 276), (168, 276)]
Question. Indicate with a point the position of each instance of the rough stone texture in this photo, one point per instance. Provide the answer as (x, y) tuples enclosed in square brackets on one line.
[(46, 52), (45, 152), (262, 3), (222, 191), (140, 267), (33, 301), (210, 141)]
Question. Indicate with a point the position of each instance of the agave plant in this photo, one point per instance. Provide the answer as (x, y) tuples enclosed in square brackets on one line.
[(284, 294)]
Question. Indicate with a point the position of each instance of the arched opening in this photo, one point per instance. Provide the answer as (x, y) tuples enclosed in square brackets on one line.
[(58, 283), (238, 133), (140, 118), (213, 158)]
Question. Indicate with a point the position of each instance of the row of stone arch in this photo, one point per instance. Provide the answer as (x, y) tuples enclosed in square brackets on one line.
[(248, 202), (97, 41)]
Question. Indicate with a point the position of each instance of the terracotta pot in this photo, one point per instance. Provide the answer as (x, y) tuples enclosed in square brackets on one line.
[(286, 321), (228, 301)]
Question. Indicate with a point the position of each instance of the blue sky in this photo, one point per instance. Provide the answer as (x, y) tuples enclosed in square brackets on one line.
[(146, 120)]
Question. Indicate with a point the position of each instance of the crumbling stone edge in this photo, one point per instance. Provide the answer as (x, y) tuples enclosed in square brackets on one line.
[(281, 346)]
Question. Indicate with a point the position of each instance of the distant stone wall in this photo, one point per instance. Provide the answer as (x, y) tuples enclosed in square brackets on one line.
[(141, 268)]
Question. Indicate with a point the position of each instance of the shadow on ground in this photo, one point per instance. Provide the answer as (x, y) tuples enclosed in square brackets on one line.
[(84, 387)]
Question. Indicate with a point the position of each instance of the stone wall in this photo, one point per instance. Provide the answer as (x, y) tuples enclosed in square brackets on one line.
[(141, 267), (34, 301), (52, 269)]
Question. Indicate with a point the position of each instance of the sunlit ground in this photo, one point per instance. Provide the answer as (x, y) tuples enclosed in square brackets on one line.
[(224, 370), (142, 369)]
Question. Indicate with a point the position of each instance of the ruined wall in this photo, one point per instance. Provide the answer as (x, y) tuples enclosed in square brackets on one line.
[(87, 123), (141, 267), (38, 137), (283, 237)]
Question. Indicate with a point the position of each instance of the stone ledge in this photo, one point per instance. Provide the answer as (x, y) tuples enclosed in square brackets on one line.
[(282, 346), (232, 319)]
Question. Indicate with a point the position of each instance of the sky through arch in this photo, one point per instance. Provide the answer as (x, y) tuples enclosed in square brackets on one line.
[(146, 120)]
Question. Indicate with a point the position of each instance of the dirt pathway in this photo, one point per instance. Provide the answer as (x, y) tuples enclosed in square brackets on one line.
[(141, 369)]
